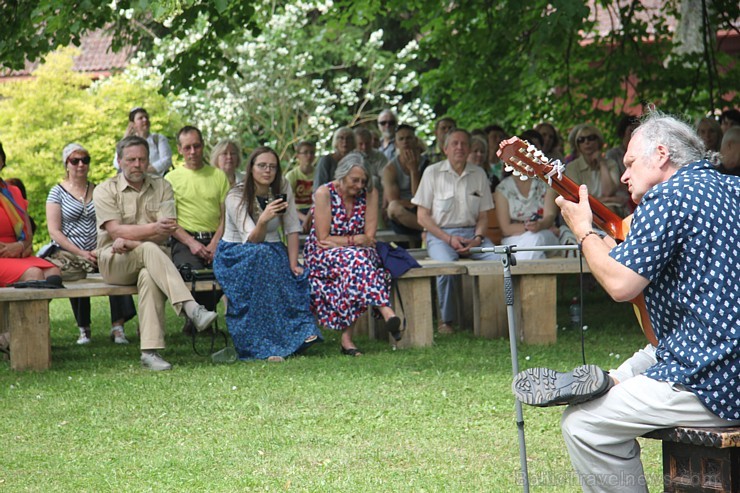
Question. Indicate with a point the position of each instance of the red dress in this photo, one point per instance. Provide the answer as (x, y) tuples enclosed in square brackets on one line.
[(11, 269)]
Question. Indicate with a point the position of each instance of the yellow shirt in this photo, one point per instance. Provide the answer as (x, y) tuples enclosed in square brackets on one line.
[(199, 195)]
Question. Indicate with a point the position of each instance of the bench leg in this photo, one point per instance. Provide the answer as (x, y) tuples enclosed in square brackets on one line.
[(489, 307), (539, 294), (417, 303), (30, 345)]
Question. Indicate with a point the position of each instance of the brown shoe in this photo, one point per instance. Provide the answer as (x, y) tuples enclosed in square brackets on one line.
[(445, 329)]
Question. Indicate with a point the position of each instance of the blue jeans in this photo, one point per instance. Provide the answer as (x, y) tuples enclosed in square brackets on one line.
[(442, 251)]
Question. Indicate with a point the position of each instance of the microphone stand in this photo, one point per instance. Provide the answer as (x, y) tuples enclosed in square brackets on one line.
[(508, 260)]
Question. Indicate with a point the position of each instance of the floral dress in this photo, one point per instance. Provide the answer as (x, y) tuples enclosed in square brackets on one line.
[(344, 280)]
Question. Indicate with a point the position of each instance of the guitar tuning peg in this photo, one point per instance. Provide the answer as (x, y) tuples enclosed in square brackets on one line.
[(516, 172), (508, 168), (524, 178)]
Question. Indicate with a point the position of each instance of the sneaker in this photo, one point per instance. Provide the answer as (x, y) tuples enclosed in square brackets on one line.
[(117, 335), (202, 318), (84, 336), (543, 387), (154, 362)]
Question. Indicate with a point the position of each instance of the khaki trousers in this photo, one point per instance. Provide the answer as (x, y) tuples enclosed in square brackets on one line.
[(150, 268)]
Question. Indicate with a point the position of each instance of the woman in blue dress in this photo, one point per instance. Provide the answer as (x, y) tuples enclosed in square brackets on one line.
[(268, 312)]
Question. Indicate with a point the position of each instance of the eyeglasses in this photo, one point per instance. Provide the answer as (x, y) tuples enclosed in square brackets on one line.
[(265, 166), (386, 122), (590, 138), (74, 161)]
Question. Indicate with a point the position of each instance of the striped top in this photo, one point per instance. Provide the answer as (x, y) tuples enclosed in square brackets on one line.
[(78, 220)]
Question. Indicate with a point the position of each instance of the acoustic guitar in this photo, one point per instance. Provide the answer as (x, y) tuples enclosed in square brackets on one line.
[(527, 161)]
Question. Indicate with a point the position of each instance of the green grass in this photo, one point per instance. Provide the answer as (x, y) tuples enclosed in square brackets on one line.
[(438, 419)]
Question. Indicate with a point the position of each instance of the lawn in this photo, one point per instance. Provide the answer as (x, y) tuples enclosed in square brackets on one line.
[(438, 419)]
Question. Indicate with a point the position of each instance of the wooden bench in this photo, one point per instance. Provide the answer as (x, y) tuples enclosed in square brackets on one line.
[(535, 297), (415, 287), (700, 459), (25, 313)]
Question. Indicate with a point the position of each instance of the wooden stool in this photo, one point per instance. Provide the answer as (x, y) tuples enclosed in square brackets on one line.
[(700, 459)]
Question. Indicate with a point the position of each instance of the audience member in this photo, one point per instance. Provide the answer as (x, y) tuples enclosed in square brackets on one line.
[(551, 142), (343, 143), (572, 144), (681, 254), (593, 169), (728, 119), (227, 156), (453, 200), (400, 180), (200, 192), (345, 271), (387, 122), (526, 211), (268, 311), (710, 133), (16, 239), (16, 245), (495, 135), (301, 178), (135, 214), (533, 137), (375, 160), (479, 157), (626, 125), (70, 218), (442, 127), (730, 152), (160, 154)]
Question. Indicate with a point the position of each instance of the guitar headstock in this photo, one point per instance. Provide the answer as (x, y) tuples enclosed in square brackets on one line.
[(525, 160)]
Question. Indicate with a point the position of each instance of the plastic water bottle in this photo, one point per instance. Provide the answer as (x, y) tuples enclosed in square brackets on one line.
[(575, 313)]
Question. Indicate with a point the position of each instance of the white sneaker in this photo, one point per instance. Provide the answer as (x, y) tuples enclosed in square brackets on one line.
[(154, 362), (84, 336), (117, 335), (202, 318)]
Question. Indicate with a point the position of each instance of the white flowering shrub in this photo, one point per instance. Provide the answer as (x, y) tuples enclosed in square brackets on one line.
[(297, 79)]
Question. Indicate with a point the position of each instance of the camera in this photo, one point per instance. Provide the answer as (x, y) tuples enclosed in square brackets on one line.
[(189, 274)]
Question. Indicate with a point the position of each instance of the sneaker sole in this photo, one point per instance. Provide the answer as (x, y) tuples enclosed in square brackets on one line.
[(544, 387)]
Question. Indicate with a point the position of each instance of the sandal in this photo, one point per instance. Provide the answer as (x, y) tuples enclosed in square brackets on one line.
[(393, 325), (353, 351), (308, 342)]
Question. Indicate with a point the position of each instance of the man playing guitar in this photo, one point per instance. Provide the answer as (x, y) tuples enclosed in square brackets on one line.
[(682, 253)]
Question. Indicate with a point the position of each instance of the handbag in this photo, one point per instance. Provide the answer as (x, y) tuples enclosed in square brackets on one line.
[(395, 259), (73, 266)]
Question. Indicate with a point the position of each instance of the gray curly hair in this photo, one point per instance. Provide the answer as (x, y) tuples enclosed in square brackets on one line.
[(683, 143)]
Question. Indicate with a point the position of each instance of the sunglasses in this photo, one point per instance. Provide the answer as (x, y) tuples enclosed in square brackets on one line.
[(386, 122), (590, 138), (74, 161)]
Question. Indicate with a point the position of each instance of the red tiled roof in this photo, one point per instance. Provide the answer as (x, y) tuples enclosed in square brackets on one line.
[(96, 58)]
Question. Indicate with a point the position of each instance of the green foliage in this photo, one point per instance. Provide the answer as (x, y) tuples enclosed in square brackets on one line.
[(40, 116), (519, 62)]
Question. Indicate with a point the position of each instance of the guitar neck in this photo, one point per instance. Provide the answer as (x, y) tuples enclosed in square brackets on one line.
[(604, 217)]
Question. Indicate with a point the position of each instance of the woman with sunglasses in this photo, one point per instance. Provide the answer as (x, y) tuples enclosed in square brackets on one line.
[(268, 313), (70, 218), (600, 174)]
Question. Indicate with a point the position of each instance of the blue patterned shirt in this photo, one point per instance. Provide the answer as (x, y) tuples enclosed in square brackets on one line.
[(685, 238)]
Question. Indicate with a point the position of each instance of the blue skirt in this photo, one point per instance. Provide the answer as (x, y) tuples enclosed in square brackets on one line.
[(268, 311)]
